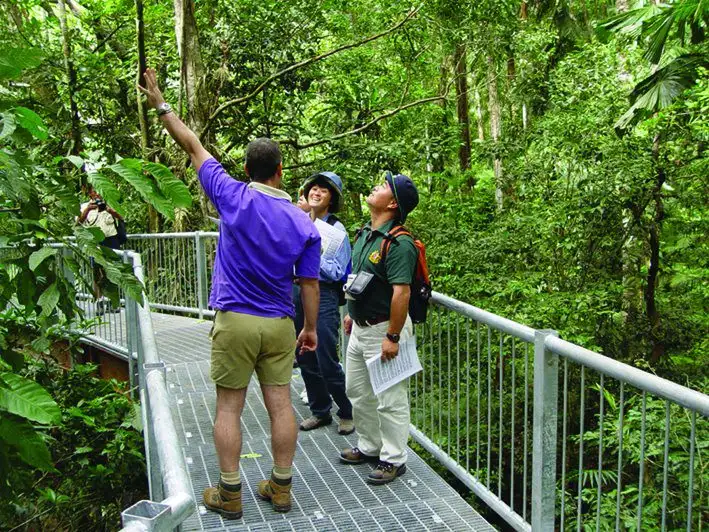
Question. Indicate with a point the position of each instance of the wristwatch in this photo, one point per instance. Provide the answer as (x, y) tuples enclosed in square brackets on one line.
[(163, 108), (393, 338)]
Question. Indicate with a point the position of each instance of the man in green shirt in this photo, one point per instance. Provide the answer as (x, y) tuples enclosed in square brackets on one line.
[(378, 319)]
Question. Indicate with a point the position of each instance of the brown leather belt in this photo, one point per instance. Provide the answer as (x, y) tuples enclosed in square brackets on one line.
[(371, 321)]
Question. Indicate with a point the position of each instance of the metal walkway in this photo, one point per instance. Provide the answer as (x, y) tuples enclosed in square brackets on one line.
[(327, 495)]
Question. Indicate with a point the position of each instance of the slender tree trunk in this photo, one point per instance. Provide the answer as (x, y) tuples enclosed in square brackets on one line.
[(495, 128), (461, 92), (479, 116), (438, 161), (153, 220), (70, 72), (653, 316)]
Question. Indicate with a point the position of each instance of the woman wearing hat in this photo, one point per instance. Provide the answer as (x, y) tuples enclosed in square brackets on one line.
[(321, 369)]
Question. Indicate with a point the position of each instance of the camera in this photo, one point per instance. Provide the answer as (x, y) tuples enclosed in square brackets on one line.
[(100, 204)]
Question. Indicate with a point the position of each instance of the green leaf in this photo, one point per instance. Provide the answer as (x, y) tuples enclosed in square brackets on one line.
[(173, 188), (27, 399), (9, 123), (41, 344), (32, 122), (131, 171), (76, 161), (14, 60), (38, 256), (49, 299), (29, 443), (107, 189)]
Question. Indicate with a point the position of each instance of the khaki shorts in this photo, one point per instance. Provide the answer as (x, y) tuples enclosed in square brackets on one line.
[(242, 343)]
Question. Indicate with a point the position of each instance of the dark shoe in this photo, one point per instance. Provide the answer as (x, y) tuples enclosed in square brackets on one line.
[(314, 422), (385, 472), (225, 502), (277, 491), (345, 426), (352, 455)]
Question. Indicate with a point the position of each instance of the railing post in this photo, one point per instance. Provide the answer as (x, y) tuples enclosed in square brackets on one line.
[(544, 428), (155, 485), (201, 259), (131, 335)]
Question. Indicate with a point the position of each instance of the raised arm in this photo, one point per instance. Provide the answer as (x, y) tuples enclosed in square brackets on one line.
[(183, 135)]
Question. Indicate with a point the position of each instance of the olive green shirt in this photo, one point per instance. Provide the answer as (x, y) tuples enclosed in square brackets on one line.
[(397, 268)]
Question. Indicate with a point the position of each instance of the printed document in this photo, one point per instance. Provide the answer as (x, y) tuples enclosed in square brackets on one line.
[(332, 238), (384, 375)]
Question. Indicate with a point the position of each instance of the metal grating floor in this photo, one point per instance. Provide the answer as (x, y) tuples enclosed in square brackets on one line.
[(334, 497)]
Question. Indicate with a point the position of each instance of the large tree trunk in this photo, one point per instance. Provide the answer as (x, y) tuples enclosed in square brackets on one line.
[(495, 127), (70, 72), (653, 316), (192, 71), (192, 79), (461, 93)]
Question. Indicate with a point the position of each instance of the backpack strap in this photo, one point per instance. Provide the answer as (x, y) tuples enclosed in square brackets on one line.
[(391, 236), (332, 219)]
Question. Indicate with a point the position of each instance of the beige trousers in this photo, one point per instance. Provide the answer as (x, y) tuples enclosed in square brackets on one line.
[(382, 421)]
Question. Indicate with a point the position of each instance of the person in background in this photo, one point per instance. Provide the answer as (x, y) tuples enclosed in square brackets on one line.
[(96, 213), (321, 370), (378, 319), (263, 240)]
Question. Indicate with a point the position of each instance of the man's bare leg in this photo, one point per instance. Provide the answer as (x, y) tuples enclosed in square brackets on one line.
[(284, 430), (227, 427)]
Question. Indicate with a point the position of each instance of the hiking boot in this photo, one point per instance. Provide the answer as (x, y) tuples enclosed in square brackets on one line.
[(225, 502), (345, 426), (352, 455), (385, 472), (314, 422), (277, 491)]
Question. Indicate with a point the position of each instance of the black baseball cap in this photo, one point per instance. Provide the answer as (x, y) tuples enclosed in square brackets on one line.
[(405, 193)]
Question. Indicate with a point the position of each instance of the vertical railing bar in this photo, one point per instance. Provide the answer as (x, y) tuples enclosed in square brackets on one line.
[(500, 424), (477, 393), (690, 496), (564, 428), (600, 454), (666, 466), (581, 431), (526, 432), (440, 379), (489, 404), (512, 430), (619, 481), (448, 350), (432, 340), (457, 396), (467, 395), (642, 462)]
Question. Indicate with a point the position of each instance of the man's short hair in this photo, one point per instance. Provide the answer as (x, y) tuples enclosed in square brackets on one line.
[(262, 159)]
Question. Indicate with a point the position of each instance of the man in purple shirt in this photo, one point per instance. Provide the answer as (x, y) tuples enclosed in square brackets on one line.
[(263, 239)]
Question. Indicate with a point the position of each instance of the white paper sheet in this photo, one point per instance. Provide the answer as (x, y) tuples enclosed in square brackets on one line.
[(384, 375), (332, 238)]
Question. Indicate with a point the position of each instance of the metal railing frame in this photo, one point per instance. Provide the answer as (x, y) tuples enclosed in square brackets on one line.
[(171, 500), (548, 351)]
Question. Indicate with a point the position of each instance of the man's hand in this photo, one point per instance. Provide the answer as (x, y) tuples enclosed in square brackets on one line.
[(389, 349), (307, 341), (151, 90), (347, 324)]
